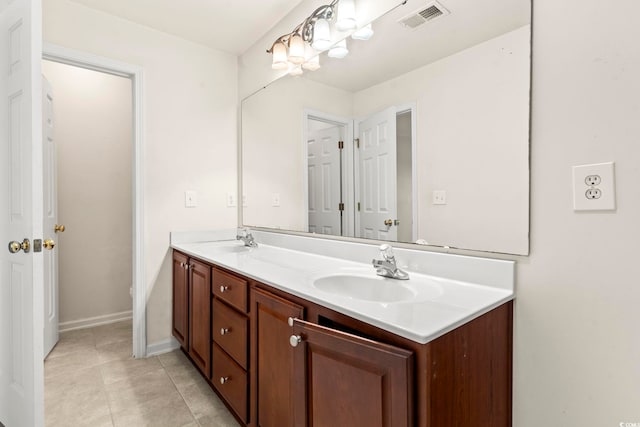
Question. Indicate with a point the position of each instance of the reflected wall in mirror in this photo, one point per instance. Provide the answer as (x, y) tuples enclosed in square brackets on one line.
[(418, 135)]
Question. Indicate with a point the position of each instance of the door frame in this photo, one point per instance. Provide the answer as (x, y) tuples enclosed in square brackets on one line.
[(89, 61), (347, 165)]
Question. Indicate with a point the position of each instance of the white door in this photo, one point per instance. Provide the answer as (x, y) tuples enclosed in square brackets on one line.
[(50, 190), (377, 176), (21, 307), (324, 179)]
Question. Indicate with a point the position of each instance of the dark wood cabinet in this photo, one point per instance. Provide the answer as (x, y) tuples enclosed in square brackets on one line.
[(200, 315), (180, 322), (272, 359), (346, 380), (342, 371)]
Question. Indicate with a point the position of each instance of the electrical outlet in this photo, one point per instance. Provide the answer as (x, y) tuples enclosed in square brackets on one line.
[(592, 180), (594, 187), (439, 197), (593, 193), (275, 200), (231, 200)]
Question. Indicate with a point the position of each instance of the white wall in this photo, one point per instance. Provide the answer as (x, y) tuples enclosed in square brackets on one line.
[(577, 345), (273, 155), (190, 131), (472, 132), (93, 129)]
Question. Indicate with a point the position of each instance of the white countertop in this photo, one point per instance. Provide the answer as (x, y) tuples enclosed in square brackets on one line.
[(440, 305)]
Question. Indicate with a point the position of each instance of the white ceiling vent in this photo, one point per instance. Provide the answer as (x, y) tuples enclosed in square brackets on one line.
[(430, 11)]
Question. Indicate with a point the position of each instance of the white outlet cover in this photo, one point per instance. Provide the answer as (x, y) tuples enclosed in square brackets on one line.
[(606, 202), (275, 200), (231, 200), (439, 197)]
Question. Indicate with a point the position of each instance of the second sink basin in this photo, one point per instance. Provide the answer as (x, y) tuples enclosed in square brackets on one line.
[(364, 287)]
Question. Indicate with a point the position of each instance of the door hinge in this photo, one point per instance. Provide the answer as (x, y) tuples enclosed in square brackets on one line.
[(358, 206), (340, 145), (357, 141), (341, 207)]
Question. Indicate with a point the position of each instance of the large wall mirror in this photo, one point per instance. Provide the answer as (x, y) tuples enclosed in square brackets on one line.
[(420, 135)]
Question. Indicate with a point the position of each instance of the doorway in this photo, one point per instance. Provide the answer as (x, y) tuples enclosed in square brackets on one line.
[(92, 137), (135, 283)]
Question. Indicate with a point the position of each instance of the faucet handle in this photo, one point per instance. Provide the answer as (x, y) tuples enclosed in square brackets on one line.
[(387, 251)]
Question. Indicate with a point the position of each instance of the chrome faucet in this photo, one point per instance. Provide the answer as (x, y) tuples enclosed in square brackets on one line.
[(386, 266), (245, 235)]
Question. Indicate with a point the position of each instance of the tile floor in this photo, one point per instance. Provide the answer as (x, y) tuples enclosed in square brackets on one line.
[(91, 380)]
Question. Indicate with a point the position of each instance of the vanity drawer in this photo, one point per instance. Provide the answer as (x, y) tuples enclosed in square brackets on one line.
[(230, 288), (231, 381), (229, 330)]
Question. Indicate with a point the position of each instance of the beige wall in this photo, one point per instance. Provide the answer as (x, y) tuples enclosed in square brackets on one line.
[(93, 134), (190, 104)]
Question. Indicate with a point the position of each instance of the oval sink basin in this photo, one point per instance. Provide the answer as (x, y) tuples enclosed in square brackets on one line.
[(365, 288)]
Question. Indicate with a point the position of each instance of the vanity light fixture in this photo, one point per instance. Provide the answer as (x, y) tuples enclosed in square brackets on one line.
[(346, 15), (364, 33), (339, 50), (302, 45)]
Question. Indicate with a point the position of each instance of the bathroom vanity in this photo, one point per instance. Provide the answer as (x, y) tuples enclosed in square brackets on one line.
[(280, 350)]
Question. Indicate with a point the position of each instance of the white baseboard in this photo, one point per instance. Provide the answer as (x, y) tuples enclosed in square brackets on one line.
[(90, 322), (162, 347)]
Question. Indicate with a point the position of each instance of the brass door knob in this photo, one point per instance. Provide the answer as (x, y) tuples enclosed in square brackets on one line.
[(49, 244), (14, 247), (59, 228), (388, 222)]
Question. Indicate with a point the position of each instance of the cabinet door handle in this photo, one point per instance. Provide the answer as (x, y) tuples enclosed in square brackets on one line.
[(224, 380), (290, 321), (224, 288), (225, 331), (294, 340)]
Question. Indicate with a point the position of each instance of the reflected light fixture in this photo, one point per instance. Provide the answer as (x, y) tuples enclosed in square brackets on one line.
[(346, 15), (302, 45), (339, 50), (364, 33)]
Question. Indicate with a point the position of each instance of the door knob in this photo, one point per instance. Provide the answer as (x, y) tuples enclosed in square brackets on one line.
[(59, 228), (294, 340), (49, 244), (15, 247), (388, 222)]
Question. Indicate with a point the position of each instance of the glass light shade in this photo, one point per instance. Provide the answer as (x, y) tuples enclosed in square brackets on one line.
[(295, 70), (312, 63), (321, 35), (296, 49), (364, 33), (346, 15), (279, 53), (339, 50)]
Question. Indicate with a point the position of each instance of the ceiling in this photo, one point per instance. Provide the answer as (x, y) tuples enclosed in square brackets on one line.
[(228, 25)]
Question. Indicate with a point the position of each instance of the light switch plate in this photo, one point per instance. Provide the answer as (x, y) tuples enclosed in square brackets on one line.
[(190, 199), (231, 200), (594, 187)]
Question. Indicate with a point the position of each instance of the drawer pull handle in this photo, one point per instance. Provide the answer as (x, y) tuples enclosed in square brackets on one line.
[(224, 380), (290, 321), (225, 331), (224, 288), (294, 340)]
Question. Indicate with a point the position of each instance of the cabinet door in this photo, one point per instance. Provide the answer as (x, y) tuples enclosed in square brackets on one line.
[(346, 380), (181, 298), (200, 315), (273, 360)]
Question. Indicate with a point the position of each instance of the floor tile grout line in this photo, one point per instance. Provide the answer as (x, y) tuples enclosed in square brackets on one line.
[(179, 392)]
